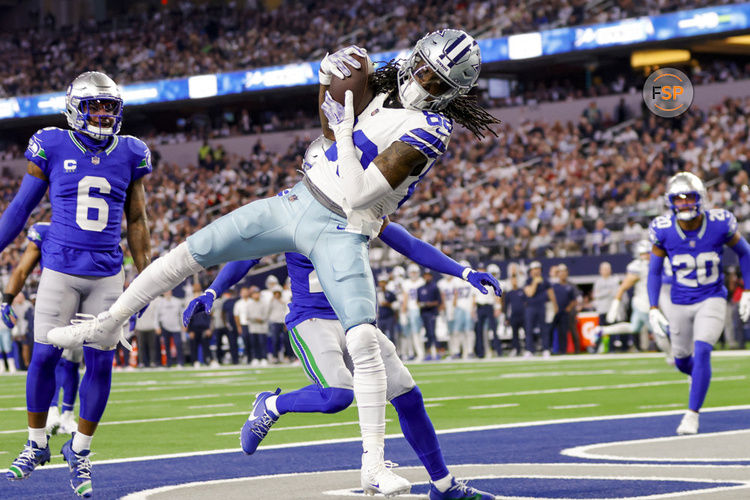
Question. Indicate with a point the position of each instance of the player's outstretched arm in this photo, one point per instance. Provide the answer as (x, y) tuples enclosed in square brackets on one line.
[(31, 192), (28, 262), (229, 276), (742, 248), (139, 238), (397, 237)]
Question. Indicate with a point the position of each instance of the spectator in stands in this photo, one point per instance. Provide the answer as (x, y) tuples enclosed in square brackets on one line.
[(601, 238)]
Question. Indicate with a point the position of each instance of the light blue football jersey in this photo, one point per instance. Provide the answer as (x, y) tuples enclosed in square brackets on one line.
[(695, 256), (87, 191)]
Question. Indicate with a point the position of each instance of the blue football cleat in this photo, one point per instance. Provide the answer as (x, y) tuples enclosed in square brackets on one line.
[(27, 461), (80, 470), (258, 423), (459, 490)]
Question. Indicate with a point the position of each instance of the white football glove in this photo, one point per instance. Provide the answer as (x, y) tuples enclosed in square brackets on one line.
[(337, 64), (340, 118), (658, 322), (745, 306), (614, 311)]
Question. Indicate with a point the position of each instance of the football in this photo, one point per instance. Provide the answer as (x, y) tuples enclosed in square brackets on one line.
[(357, 83)]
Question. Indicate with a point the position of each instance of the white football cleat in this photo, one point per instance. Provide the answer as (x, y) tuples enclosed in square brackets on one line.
[(68, 424), (86, 328), (689, 424), (377, 477), (53, 420)]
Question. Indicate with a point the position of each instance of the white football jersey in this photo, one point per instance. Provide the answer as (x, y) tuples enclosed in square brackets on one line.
[(639, 267), (378, 127), (410, 287), (446, 286)]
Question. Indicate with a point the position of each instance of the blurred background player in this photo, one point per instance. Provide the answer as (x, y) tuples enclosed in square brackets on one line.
[(386, 312), (514, 304), (566, 297), (319, 343), (602, 294), (637, 276), (94, 176), (693, 239), (413, 346), (169, 328), (430, 303), (538, 291)]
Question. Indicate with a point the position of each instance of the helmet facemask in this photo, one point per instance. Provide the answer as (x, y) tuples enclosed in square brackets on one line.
[(420, 87), (685, 196), (93, 105)]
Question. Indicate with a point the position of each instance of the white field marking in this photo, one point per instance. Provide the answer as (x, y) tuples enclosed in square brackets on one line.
[(433, 405), (492, 407), (579, 389), (400, 436), (145, 494), (250, 395), (554, 374), (14, 408), (671, 405), (572, 407), (210, 406), (298, 427), (587, 453), (169, 387)]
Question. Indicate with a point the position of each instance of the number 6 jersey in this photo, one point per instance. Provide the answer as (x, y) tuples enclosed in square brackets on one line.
[(87, 191), (695, 256)]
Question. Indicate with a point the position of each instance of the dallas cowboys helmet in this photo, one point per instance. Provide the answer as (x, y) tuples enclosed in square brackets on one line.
[(452, 55), (94, 89), (680, 186), (643, 246)]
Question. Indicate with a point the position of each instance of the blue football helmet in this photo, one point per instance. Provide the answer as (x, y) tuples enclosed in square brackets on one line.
[(453, 56), (681, 186), (90, 92)]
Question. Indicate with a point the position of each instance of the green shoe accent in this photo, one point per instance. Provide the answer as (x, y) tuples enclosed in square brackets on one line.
[(15, 470), (84, 488)]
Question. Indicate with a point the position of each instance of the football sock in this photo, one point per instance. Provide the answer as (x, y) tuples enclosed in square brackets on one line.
[(701, 374), (39, 436), (444, 483), (369, 385), (69, 381), (40, 380), (96, 383), (313, 399), (685, 365), (161, 275), (420, 433), (81, 442)]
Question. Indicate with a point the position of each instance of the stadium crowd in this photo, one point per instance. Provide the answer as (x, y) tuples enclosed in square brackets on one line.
[(602, 182), (197, 39)]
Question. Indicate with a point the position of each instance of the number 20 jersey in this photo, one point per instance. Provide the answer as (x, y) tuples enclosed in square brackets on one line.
[(87, 193), (695, 256), (376, 128)]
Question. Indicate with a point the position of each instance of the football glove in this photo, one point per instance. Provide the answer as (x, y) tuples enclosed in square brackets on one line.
[(340, 118), (203, 303), (614, 311), (745, 306), (8, 315), (657, 321), (337, 64), (478, 280)]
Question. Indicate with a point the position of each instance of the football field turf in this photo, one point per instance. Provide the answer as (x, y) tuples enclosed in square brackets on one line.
[(158, 412)]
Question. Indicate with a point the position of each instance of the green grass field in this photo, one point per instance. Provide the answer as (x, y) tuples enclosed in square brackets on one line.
[(170, 411)]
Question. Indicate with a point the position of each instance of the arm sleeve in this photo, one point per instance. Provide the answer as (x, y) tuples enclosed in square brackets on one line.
[(742, 249), (653, 285), (398, 238), (231, 274), (15, 216)]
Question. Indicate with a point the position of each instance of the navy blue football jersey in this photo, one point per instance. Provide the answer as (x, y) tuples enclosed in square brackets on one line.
[(308, 299), (695, 256), (87, 191)]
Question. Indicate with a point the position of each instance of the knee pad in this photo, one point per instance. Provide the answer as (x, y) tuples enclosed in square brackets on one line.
[(362, 344), (336, 399)]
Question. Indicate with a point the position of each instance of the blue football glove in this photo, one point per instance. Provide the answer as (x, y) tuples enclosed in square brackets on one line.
[(131, 322), (140, 313), (8, 315), (199, 304), (479, 280)]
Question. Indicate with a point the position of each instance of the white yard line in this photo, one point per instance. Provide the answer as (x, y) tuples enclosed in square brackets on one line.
[(573, 407), (298, 427), (210, 406), (492, 407)]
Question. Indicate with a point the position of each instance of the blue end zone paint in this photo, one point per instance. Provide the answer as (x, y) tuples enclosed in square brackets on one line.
[(534, 444)]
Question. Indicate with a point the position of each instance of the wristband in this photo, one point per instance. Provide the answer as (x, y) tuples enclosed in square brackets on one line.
[(466, 272), (212, 292)]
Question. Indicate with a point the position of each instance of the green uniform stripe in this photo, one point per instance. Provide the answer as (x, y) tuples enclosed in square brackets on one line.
[(114, 144), (310, 358), (299, 355)]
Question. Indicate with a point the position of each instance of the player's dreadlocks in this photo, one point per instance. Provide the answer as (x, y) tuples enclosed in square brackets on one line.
[(463, 109)]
